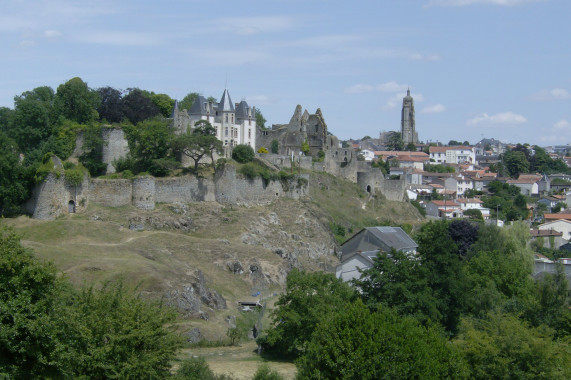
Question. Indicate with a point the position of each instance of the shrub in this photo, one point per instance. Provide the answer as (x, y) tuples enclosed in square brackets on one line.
[(264, 372), (275, 146), (249, 170), (127, 174), (243, 153)]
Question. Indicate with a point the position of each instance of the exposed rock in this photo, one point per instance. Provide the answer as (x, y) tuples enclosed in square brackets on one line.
[(194, 335), (231, 319), (161, 222), (235, 267), (136, 227), (193, 296)]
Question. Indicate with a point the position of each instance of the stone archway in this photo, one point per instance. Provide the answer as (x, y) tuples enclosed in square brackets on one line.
[(369, 189), (71, 207)]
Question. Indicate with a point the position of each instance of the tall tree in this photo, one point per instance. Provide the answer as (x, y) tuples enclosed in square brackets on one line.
[(13, 186), (33, 118), (394, 141), (188, 101), (308, 298), (354, 343), (199, 143), (260, 119), (164, 103), (138, 106), (110, 106), (76, 102), (516, 163)]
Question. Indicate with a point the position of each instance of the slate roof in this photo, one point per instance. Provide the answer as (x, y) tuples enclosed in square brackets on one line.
[(198, 107), (381, 238), (242, 110), (226, 104)]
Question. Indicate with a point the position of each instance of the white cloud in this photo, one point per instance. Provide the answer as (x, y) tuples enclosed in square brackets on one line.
[(424, 57), (553, 94), (437, 108), (500, 118), (561, 124), (460, 3), (52, 33), (391, 86)]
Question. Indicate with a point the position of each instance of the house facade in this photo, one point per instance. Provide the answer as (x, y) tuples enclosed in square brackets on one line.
[(234, 123)]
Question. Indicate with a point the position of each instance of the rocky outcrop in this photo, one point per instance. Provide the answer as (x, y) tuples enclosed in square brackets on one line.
[(192, 297)]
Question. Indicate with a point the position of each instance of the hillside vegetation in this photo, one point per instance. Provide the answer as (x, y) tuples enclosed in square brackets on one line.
[(192, 253)]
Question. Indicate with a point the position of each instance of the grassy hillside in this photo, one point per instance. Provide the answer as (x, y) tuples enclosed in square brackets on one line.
[(263, 242)]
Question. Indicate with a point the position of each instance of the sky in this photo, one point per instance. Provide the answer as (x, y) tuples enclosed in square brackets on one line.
[(476, 68)]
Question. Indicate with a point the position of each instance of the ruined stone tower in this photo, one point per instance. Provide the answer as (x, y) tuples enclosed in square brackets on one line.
[(408, 131)]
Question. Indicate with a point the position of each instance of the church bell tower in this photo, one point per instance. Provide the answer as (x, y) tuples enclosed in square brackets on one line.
[(408, 130)]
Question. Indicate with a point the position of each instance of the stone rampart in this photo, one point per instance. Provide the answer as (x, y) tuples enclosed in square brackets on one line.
[(233, 188), (184, 189), (54, 197), (144, 192), (111, 192)]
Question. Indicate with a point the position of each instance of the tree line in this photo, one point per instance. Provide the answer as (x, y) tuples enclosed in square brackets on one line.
[(466, 306)]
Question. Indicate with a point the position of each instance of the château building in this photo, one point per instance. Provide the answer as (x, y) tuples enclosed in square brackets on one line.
[(234, 123)]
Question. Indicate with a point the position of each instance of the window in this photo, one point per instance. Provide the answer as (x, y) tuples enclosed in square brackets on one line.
[(249, 133), (226, 132)]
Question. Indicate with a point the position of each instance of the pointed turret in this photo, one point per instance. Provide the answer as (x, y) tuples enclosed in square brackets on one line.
[(174, 109), (226, 104)]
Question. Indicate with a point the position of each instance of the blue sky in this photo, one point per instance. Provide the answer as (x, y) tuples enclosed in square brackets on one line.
[(476, 68)]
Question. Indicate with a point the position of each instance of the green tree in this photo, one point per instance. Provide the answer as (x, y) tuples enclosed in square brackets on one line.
[(516, 163), (150, 144), (164, 103), (110, 105), (243, 153), (13, 184), (394, 141), (305, 147), (92, 156), (188, 101), (275, 146), (199, 143), (410, 147), (76, 102), (308, 297), (29, 341), (33, 118), (353, 343), (499, 270), (501, 346), (49, 330), (260, 120), (138, 106), (399, 282)]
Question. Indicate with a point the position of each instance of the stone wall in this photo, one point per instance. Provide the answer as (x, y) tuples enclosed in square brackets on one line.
[(233, 188), (111, 192), (115, 146), (184, 189), (52, 198)]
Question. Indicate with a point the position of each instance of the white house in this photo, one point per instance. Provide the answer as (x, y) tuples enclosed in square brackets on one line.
[(453, 154), (444, 209), (473, 204), (561, 225), (368, 154)]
